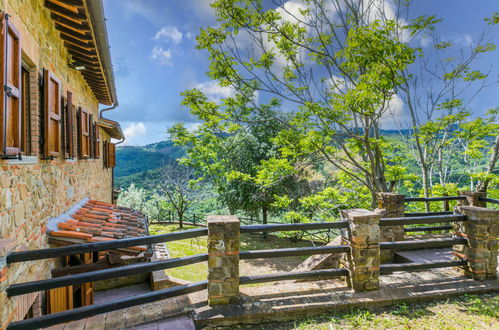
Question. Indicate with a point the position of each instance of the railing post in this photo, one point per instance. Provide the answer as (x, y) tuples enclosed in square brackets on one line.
[(223, 259), (481, 229), (390, 205), (473, 198), (364, 259)]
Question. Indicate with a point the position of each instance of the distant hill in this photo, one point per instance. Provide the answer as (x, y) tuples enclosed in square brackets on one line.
[(134, 164)]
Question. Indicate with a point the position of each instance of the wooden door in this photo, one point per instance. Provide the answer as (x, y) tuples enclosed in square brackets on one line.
[(87, 289), (59, 300)]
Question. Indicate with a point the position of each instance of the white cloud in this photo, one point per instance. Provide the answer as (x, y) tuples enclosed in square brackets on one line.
[(134, 131), (214, 91), (169, 33), (394, 116), (162, 56)]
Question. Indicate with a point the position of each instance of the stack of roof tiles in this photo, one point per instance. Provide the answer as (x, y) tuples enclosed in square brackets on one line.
[(98, 221)]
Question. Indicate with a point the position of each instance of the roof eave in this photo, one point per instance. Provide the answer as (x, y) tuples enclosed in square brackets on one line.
[(98, 21)]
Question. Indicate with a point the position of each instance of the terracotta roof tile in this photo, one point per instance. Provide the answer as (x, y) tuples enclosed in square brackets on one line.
[(98, 221)]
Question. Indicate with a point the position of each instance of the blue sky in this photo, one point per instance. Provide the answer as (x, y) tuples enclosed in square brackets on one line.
[(154, 57)]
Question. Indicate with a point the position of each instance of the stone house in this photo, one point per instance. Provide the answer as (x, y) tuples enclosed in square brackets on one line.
[(56, 153)]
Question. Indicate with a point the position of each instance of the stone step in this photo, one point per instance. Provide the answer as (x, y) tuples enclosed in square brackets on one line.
[(175, 323)]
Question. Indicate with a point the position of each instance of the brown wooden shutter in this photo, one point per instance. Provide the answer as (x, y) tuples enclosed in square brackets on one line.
[(52, 114), (69, 127), (111, 154), (10, 108), (84, 134)]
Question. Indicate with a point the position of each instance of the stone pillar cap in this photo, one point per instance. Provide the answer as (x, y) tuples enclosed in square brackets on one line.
[(222, 218)]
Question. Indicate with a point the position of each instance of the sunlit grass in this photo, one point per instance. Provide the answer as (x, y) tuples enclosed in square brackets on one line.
[(199, 271), (467, 312)]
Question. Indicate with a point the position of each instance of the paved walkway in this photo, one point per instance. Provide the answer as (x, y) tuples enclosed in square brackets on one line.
[(287, 301), (283, 301)]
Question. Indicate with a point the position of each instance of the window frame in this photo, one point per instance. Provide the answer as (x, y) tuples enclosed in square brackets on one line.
[(68, 127), (26, 134)]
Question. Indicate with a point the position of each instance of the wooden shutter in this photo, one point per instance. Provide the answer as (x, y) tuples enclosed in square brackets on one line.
[(111, 154), (84, 134), (52, 115), (68, 127), (10, 108)]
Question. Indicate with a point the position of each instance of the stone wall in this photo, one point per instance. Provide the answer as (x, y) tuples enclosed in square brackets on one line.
[(390, 205), (34, 190)]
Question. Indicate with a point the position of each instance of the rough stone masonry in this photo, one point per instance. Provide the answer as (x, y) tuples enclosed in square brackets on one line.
[(364, 259), (223, 259)]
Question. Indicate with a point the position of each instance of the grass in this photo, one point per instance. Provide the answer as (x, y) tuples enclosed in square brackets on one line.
[(466, 312), (199, 272)]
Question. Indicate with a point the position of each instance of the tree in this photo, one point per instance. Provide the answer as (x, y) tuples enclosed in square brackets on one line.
[(139, 199), (437, 90), (177, 190), (334, 66), (236, 163)]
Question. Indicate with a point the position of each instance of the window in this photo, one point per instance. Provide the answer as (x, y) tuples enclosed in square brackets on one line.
[(95, 140), (84, 134), (91, 136), (10, 108), (68, 119), (52, 115), (26, 113)]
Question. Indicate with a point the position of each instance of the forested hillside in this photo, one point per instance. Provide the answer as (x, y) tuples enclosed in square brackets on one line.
[(135, 163)]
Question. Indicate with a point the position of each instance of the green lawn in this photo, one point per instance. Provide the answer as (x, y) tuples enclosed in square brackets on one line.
[(198, 272), (467, 312)]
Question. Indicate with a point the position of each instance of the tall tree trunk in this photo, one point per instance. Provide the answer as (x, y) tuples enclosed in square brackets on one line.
[(264, 218), (181, 219), (484, 184), (426, 186)]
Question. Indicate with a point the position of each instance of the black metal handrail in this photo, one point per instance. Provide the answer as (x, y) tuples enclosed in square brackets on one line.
[(292, 252), (390, 268), (62, 251), (427, 228), (423, 243), (488, 200), (421, 220), (91, 310), (424, 214), (293, 226), (104, 274), (434, 199), (308, 275)]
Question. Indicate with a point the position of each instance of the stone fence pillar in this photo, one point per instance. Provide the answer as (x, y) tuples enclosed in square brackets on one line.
[(472, 198), (481, 230), (390, 205), (223, 259), (363, 262)]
